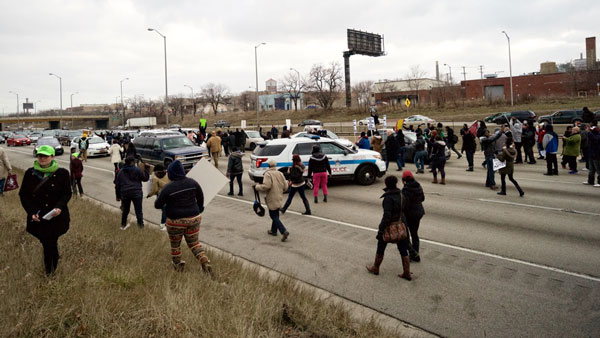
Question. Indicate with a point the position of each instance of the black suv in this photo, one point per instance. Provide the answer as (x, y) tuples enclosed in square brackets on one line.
[(521, 115), (567, 116), (166, 147)]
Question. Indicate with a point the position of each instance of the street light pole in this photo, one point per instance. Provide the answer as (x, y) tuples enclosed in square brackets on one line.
[(60, 85), (72, 120), (256, 68), (122, 107), (193, 100), (297, 86), (36, 105), (166, 84), (450, 70), (510, 70), (18, 122)]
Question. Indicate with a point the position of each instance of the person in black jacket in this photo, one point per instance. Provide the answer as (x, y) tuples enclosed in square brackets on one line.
[(46, 188), (297, 184), (420, 154), (392, 212), (183, 200), (469, 147), (235, 170), (130, 150), (128, 188), (412, 208), (451, 140), (587, 116), (318, 167), (391, 150)]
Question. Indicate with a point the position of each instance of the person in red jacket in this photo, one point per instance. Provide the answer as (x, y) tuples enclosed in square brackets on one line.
[(540, 140), (76, 174)]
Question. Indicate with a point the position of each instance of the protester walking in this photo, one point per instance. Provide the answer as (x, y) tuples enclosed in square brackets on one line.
[(412, 207), (508, 156), (420, 154), (469, 147), (128, 189), (438, 159), (572, 149), (401, 148), (488, 144), (296, 184), (76, 169), (83, 146), (392, 212), (214, 147), (130, 150), (159, 181), (550, 144), (183, 202), (540, 131), (45, 194), (115, 151), (594, 156), (5, 169), (391, 150), (235, 170), (516, 129), (318, 167), (274, 184), (452, 140)]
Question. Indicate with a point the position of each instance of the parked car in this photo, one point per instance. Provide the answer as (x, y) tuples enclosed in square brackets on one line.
[(2, 139), (252, 139), (66, 136), (311, 106), (310, 123), (17, 140), (521, 115), (222, 124), (417, 121), (329, 134), (364, 121), (567, 116), (490, 118), (166, 147), (35, 136), (50, 141), (96, 146)]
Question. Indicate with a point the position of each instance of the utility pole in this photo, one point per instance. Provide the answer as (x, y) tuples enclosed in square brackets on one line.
[(464, 73), (481, 72)]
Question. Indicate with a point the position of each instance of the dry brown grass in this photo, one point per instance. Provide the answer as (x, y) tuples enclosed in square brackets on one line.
[(112, 283)]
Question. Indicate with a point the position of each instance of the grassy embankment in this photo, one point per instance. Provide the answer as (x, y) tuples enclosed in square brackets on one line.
[(112, 283)]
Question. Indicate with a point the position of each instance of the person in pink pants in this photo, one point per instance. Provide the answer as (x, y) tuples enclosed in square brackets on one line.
[(318, 169)]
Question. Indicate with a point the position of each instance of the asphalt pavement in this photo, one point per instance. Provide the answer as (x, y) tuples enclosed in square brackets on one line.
[(492, 266)]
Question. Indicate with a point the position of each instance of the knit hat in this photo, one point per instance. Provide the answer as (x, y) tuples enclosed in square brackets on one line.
[(175, 171), (406, 174)]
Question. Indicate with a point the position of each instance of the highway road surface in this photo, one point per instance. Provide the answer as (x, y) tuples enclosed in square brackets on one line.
[(492, 266)]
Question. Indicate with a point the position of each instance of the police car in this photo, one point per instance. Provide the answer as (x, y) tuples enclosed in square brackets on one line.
[(362, 165)]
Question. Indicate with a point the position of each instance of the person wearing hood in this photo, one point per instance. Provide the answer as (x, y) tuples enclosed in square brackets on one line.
[(550, 144), (508, 155), (376, 142), (363, 141), (438, 159), (285, 133), (528, 141), (412, 208), (469, 147), (452, 140), (296, 184), (235, 170), (594, 155), (318, 167), (46, 190), (572, 149), (392, 212), (76, 168), (488, 144), (420, 154), (159, 181), (516, 128), (183, 201), (274, 184), (128, 188)]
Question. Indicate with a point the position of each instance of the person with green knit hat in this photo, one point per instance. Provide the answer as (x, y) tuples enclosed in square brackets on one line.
[(45, 193)]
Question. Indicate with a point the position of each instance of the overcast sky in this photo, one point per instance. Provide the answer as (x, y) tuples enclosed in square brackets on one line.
[(93, 44)]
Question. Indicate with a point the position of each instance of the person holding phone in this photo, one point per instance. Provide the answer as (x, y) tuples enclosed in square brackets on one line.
[(45, 193)]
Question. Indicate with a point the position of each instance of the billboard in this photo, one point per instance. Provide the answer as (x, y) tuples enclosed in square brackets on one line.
[(365, 43), (27, 105)]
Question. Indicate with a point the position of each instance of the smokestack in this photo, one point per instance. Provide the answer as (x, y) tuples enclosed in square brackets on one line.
[(437, 71), (590, 52)]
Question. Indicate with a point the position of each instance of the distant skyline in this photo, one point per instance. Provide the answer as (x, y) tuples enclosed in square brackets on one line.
[(93, 44)]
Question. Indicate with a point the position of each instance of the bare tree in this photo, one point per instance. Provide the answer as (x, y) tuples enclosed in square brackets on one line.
[(293, 85), (178, 105), (416, 80), (387, 89), (215, 94), (325, 83), (363, 91)]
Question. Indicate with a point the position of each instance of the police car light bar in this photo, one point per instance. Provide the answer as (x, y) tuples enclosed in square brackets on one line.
[(312, 136)]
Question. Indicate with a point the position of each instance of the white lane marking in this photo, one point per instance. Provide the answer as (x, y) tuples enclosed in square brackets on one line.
[(65, 161), (460, 248), (539, 207)]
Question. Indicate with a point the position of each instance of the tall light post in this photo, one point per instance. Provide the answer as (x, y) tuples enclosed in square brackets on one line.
[(72, 120), (449, 70), (166, 84), (193, 100), (36, 105), (256, 68), (512, 103), (122, 107), (60, 85), (297, 85), (18, 122)]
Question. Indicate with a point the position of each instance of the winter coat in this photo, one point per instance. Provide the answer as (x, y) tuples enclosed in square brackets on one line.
[(400, 139), (469, 144), (5, 166), (419, 144), (550, 143), (587, 116), (242, 140), (318, 163), (450, 136), (274, 184), (363, 143), (234, 165), (376, 143), (508, 154), (54, 193), (183, 198), (500, 142), (488, 144), (572, 145), (391, 148), (158, 183), (129, 180), (285, 134), (214, 144), (528, 137), (392, 209), (516, 129), (76, 168), (413, 197), (232, 140), (130, 151), (115, 153), (594, 146), (438, 151), (297, 175)]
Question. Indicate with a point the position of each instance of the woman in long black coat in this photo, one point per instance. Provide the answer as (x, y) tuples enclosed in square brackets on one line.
[(46, 188)]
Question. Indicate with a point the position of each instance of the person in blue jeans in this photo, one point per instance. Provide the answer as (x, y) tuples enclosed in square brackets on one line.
[(274, 184), (128, 188), (420, 154), (488, 143)]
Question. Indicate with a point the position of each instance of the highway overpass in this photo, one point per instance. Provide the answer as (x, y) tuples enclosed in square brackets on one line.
[(56, 121)]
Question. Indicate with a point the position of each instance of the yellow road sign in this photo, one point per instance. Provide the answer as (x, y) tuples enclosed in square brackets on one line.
[(407, 102)]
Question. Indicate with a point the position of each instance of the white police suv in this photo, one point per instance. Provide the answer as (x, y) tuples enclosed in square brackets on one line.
[(362, 165)]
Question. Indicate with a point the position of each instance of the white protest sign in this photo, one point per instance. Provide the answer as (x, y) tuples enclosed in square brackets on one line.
[(243, 123), (498, 165), (211, 180), (354, 124), (371, 123), (288, 123), (384, 121)]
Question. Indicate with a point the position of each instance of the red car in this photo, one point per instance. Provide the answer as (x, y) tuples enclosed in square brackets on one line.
[(17, 140)]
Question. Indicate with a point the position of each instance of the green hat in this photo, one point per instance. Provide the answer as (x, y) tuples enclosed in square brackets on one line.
[(45, 150), (76, 155)]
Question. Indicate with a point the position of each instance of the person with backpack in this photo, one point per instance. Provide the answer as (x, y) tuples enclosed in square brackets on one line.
[(318, 168), (235, 170), (274, 184), (83, 146), (452, 140), (296, 184), (412, 208), (128, 189), (159, 181)]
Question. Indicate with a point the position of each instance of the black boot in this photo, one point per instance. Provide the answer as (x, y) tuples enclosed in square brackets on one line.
[(316, 199), (325, 198), (307, 207)]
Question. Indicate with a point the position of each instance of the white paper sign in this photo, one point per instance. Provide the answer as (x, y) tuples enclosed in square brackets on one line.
[(243, 122), (498, 165), (288, 123), (384, 121), (371, 123), (211, 180), (147, 186), (354, 124)]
